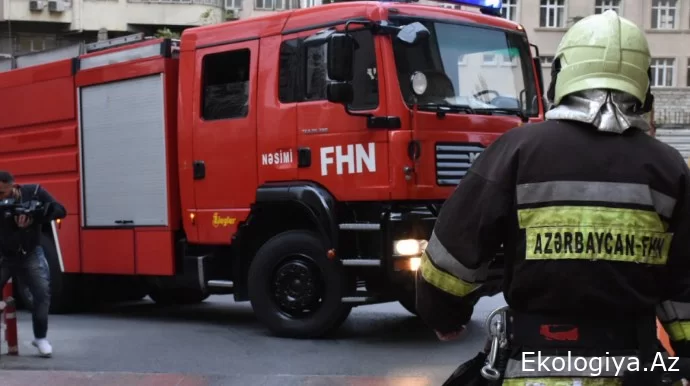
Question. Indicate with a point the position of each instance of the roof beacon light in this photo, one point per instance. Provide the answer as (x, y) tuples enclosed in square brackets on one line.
[(490, 7)]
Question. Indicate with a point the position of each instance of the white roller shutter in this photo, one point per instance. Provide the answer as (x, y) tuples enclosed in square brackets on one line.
[(124, 165)]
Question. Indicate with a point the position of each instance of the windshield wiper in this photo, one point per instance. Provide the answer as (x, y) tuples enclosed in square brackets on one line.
[(491, 111), (442, 109)]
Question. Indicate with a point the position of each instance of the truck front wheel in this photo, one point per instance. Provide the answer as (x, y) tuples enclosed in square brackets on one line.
[(294, 289)]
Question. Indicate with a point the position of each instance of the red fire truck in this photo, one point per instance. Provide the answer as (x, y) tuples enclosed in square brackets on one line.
[(296, 160)]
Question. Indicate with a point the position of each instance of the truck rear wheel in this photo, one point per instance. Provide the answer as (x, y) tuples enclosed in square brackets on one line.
[(294, 289)]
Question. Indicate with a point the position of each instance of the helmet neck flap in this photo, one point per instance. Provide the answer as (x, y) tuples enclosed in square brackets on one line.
[(608, 110)]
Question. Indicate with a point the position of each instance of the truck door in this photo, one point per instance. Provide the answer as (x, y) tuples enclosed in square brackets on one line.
[(225, 138), (344, 152)]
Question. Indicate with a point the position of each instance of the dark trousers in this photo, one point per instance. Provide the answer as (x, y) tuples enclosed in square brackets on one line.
[(32, 272)]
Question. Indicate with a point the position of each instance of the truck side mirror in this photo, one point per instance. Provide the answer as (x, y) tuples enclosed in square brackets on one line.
[(540, 75), (340, 92), (341, 56)]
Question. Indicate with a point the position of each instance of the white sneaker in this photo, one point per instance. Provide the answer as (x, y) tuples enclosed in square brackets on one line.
[(44, 348)]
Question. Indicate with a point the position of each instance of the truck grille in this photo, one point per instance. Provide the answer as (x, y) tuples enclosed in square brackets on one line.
[(453, 160)]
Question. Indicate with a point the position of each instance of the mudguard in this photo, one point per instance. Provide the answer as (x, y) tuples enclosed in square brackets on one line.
[(317, 202)]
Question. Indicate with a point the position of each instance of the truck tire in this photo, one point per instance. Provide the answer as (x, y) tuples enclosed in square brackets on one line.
[(294, 289)]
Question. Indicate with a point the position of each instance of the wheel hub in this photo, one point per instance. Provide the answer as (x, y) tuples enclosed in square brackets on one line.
[(297, 288)]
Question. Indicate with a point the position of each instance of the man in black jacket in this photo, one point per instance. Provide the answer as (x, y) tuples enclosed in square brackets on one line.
[(21, 252)]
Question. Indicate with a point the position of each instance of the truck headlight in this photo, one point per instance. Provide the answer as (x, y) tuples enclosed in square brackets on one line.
[(415, 262), (409, 247)]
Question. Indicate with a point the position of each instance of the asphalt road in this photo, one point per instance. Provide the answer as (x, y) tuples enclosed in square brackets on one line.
[(222, 341)]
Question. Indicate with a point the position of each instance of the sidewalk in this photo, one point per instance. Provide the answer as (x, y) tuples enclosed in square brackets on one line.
[(74, 378)]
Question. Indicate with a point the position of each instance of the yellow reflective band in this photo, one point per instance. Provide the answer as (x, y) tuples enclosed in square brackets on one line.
[(590, 243), (678, 331), (444, 281), (563, 381), (577, 216)]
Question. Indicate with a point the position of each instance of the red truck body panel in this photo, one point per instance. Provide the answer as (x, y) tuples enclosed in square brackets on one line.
[(38, 131), (42, 136)]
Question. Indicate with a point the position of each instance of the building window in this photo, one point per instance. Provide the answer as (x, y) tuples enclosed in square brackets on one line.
[(552, 14), (489, 59), (450, 6), (275, 5), (225, 85), (546, 60), (601, 6), (662, 72), (687, 79), (284, 5), (508, 60), (509, 9), (664, 14), (233, 4), (462, 61), (26, 43), (311, 3), (263, 5)]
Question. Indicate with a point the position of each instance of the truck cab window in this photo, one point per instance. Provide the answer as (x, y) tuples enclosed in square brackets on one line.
[(225, 85), (470, 66), (316, 77), (289, 79), (365, 82)]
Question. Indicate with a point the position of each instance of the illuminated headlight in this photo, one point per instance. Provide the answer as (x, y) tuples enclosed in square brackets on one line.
[(409, 247), (415, 262)]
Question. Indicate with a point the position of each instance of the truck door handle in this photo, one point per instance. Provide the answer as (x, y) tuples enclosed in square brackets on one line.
[(199, 170)]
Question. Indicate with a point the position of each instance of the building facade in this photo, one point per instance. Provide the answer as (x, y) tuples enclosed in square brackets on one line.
[(666, 24), (35, 25)]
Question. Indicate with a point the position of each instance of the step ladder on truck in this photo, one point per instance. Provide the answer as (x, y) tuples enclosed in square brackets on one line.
[(295, 160)]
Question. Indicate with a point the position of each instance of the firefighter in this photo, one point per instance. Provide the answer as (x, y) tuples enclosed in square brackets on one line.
[(592, 216)]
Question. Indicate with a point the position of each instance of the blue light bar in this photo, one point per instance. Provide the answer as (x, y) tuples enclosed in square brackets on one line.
[(491, 4)]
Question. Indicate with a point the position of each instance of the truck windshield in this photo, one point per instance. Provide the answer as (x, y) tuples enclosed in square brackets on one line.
[(473, 68)]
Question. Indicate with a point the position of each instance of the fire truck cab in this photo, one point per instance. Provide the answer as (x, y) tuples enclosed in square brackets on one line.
[(296, 160)]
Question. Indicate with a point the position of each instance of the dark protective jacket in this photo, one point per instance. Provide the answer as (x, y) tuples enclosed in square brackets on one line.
[(14, 240), (591, 223)]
